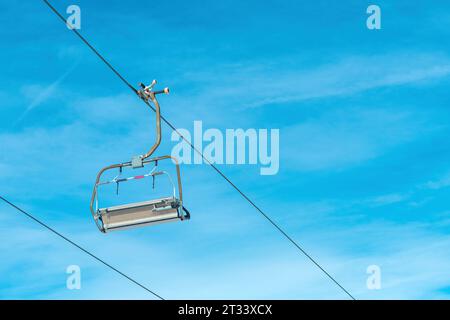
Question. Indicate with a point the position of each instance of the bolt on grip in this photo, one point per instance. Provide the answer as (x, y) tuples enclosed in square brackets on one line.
[(146, 92)]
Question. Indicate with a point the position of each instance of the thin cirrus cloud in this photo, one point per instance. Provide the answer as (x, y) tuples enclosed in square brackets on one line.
[(262, 83), (40, 94), (348, 137), (388, 245), (440, 183)]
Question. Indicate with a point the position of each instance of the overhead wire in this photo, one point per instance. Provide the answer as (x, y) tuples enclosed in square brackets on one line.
[(59, 234)]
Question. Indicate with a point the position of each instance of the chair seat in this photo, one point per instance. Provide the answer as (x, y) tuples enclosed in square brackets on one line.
[(140, 213)]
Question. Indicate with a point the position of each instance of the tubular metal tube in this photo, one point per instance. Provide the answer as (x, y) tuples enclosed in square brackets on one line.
[(158, 127)]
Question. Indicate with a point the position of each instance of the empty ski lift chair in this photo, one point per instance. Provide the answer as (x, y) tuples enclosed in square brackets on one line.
[(143, 213)]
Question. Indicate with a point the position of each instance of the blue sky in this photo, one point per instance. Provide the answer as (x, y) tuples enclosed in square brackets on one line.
[(364, 151)]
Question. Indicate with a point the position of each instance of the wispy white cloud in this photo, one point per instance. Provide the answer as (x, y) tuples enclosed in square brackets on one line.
[(388, 199), (336, 140), (443, 182), (412, 260), (266, 82), (39, 94), (103, 130)]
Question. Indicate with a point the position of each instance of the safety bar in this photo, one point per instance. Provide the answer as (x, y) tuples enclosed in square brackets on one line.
[(153, 174)]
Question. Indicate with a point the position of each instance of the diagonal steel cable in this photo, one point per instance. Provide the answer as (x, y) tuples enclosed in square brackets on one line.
[(29, 215)]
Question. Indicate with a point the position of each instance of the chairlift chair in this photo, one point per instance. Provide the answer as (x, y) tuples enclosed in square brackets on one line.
[(142, 213)]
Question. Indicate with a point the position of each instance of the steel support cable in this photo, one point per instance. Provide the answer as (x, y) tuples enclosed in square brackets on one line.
[(208, 162), (29, 215)]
